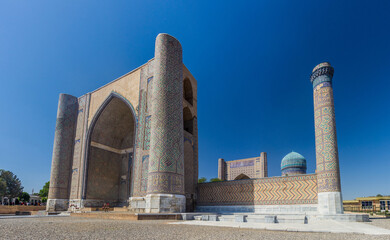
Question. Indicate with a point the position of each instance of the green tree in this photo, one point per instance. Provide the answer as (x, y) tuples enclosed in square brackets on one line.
[(215, 180), (379, 195), (3, 187), (13, 185), (44, 192), (202, 180), (25, 197)]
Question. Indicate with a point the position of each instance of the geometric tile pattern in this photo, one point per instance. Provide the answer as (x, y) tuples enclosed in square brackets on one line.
[(141, 121), (265, 191), (166, 142), (142, 136), (328, 173), (293, 171), (326, 71), (144, 173), (147, 133), (292, 164)]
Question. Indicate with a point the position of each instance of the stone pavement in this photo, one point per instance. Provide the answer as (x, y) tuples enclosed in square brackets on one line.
[(58, 228), (326, 226)]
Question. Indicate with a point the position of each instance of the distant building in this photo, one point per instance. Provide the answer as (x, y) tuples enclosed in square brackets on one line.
[(374, 204), (247, 168), (35, 199), (256, 167)]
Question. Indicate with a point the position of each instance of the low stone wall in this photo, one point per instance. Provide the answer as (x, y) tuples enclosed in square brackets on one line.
[(299, 190), (19, 208)]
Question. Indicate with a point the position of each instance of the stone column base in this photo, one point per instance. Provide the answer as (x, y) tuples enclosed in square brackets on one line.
[(75, 205), (137, 204), (165, 203), (55, 205), (330, 203)]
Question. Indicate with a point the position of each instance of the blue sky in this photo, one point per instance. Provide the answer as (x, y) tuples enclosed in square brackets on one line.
[(252, 61)]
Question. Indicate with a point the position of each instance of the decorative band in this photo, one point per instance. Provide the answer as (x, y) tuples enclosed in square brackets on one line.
[(322, 71)]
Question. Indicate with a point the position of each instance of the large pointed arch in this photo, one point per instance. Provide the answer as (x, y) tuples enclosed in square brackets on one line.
[(109, 152)]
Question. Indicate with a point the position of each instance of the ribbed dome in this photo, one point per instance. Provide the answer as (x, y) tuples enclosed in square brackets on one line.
[(293, 163)]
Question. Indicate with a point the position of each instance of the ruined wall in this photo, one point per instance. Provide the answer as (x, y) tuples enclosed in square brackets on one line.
[(265, 191)]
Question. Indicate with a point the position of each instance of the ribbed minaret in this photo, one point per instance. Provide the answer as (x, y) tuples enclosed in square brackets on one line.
[(328, 172), (62, 153), (166, 164)]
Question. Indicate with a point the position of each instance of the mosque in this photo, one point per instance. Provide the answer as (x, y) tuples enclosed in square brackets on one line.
[(292, 164), (133, 143)]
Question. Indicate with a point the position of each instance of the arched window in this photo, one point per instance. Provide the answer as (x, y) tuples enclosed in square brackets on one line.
[(188, 122), (187, 91)]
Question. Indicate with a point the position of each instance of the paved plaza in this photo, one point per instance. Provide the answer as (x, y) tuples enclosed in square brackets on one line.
[(83, 228)]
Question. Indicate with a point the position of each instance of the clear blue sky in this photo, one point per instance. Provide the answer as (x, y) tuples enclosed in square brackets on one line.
[(252, 61)]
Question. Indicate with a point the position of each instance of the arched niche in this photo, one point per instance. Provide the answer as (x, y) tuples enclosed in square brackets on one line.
[(110, 151), (188, 120), (187, 91), (189, 171)]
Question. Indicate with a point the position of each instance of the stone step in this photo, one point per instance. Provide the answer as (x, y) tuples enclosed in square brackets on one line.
[(94, 209), (129, 216), (292, 219), (121, 209), (259, 218)]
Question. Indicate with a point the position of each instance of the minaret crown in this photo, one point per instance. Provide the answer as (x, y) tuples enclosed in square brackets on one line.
[(322, 69)]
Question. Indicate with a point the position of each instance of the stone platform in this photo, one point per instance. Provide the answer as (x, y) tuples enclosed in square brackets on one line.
[(128, 216), (278, 217), (324, 226)]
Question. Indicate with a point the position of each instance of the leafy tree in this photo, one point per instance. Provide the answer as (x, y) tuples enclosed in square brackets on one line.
[(25, 197), (379, 195), (202, 180), (3, 187), (44, 192), (215, 180), (13, 185)]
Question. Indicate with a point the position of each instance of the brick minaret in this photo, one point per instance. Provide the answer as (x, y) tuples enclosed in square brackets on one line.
[(166, 164), (62, 153), (221, 169), (328, 172)]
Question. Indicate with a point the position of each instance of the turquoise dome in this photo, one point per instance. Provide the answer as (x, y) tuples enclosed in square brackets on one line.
[(293, 164)]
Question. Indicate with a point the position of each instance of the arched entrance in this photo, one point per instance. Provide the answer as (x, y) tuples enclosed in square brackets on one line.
[(241, 176), (110, 152)]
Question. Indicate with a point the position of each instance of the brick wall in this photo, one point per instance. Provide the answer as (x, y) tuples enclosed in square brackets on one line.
[(300, 189)]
